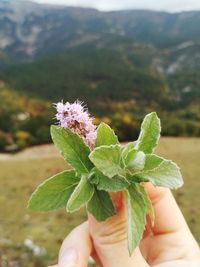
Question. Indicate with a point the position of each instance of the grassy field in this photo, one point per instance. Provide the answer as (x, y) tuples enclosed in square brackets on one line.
[(19, 177)]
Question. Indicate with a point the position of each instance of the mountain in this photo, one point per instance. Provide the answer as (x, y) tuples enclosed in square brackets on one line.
[(167, 43), (29, 30), (123, 64)]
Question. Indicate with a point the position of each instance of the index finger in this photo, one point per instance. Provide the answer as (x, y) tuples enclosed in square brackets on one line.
[(168, 216)]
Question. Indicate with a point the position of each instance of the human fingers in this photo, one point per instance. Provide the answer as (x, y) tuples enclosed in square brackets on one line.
[(171, 238), (168, 216), (110, 238), (76, 248)]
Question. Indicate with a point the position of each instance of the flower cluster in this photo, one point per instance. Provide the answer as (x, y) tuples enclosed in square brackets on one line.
[(75, 117)]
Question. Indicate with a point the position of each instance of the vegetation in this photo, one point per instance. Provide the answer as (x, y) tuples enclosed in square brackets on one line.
[(119, 87), (24, 121)]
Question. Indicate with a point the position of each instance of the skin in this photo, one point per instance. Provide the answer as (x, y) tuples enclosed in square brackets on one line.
[(169, 243)]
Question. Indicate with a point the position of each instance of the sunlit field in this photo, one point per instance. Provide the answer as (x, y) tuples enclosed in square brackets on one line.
[(30, 239)]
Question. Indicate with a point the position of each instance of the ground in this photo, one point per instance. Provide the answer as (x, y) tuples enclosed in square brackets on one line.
[(30, 239)]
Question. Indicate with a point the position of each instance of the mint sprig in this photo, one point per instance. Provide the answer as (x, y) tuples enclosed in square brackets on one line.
[(109, 167)]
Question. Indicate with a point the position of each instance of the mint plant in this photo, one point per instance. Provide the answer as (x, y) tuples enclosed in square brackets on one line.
[(101, 165)]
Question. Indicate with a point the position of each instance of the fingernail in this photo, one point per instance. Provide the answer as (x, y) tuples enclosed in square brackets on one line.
[(69, 258)]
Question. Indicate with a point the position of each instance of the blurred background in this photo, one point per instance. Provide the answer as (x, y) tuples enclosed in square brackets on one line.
[(123, 59)]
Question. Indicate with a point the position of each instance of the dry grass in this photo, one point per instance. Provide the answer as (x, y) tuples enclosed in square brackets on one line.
[(186, 153), (19, 177)]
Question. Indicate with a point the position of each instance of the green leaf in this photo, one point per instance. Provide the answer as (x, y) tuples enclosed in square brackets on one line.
[(105, 136), (149, 134), (160, 172), (136, 216), (54, 192), (72, 147), (136, 161), (148, 203), (152, 161), (107, 159), (129, 157), (94, 179), (81, 195), (101, 206), (117, 183), (126, 149)]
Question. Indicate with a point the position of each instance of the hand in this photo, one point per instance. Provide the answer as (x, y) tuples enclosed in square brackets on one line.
[(168, 244)]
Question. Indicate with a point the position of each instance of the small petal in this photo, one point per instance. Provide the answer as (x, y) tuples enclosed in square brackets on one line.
[(60, 107)]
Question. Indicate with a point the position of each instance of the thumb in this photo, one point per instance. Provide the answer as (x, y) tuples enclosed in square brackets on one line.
[(76, 248), (110, 238)]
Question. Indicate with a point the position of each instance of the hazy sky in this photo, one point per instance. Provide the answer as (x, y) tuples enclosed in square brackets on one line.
[(166, 5)]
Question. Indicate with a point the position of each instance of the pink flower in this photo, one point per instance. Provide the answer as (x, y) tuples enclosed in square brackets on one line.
[(76, 117)]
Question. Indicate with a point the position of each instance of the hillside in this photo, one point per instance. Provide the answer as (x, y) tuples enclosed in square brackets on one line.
[(89, 74), (123, 64), (24, 121), (29, 30), (121, 85)]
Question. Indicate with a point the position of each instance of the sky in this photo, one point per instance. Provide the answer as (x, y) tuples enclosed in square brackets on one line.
[(106, 5)]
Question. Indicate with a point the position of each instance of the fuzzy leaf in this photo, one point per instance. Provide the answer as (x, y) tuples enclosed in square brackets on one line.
[(107, 159), (149, 134), (126, 149), (117, 183), (136, 216), (160, 172), (147, 200), (81, 195), (101, 206), (138, 161), (72, 147), (130, 155), (105, 136), (54, 192), (152, 161), (94, 179)]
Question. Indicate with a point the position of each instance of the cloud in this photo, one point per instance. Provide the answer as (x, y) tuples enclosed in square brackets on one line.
[(166, 5)]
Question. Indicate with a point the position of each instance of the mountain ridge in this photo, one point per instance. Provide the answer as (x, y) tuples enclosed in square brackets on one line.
[(30, 30)]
